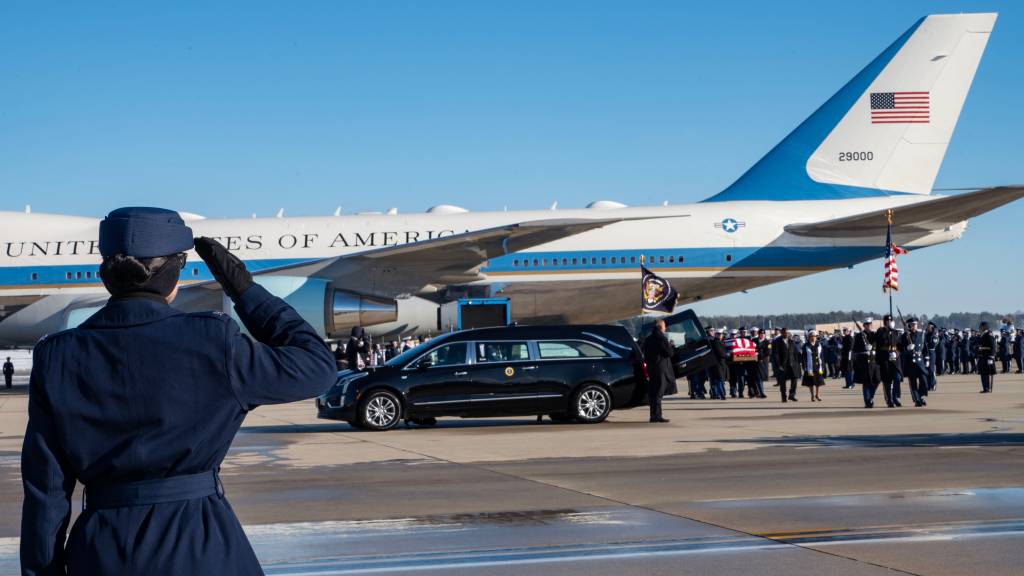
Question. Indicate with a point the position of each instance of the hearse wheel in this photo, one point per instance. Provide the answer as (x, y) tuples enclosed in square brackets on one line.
[(380, 410), (591, 404)]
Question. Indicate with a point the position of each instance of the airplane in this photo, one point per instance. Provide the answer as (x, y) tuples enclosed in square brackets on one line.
[(817, 201)]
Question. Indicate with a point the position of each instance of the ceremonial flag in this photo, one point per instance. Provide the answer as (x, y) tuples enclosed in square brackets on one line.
[(658, 293), (891, 279)]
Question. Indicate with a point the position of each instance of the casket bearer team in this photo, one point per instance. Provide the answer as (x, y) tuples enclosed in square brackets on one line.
[(140, 404)]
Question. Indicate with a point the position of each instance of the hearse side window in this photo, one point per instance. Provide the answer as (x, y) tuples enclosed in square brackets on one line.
[(447, 355), (501, 351), (569, 349)]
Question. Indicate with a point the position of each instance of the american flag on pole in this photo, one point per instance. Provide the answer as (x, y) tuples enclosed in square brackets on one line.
[(900, 107), (892, 272)]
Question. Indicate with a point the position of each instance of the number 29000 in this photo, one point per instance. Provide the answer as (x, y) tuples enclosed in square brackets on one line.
[(856, 156)]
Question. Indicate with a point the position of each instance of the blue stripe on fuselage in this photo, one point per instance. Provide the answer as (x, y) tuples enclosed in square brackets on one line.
[(767, 258)]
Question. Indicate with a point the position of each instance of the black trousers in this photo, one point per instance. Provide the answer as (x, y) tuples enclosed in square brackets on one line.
[(655, 390), (987, 381), (7, 379), (792, 387)]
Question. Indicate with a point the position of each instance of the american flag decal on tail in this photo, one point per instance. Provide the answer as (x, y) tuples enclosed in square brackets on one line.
[(900, 107)]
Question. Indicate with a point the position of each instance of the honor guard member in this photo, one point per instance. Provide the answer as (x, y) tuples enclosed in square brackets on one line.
[(8, 372), (865, 363), (986, 353), (661, 376), (887, 353), (846, 357), (1004, 350), (931, 347), (764, 352), (719, 370), (140, 404), (940, 353), (787, 357), (914, 359)]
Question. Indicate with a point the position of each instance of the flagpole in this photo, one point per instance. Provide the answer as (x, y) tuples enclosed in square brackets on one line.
[(888, 216)]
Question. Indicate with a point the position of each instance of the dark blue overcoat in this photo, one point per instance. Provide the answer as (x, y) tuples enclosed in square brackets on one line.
[(144, 392)]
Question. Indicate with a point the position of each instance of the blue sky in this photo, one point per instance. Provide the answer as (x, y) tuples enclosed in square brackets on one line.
[(235, 108)]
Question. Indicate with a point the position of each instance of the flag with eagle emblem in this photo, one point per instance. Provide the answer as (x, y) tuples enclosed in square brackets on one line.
[(658, 294)]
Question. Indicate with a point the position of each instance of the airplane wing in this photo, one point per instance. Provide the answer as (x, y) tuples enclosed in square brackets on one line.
[(917, 218), (455, 259)]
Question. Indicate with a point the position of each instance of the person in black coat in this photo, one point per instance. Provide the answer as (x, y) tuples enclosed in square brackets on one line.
[(8, 372), (787, 358), (140, 404), (985, 350), (846, 357), (661, 377), (357, 350)]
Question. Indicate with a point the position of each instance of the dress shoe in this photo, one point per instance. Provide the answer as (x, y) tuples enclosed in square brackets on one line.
[(659, 420), (897, 403), (793, 398)]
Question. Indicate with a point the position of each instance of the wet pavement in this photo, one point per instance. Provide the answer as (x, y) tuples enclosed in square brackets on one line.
[(742, 486)]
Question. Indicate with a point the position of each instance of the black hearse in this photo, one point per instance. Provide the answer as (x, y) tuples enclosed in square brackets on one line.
[(571, 373)]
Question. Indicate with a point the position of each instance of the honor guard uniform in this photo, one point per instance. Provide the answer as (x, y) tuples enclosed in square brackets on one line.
[(940, 353), (986, 354), (140, 404), (914, 358), (931, 347), (846, 357), (1018, 350), (865, 363), (887, 353), (764, 353)]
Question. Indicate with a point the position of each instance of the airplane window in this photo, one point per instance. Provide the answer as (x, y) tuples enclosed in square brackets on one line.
[(613, 259), (728, 257), (448, 355), (68, 275), (593, 260), (515, 262), (88, 274), (680, 259), (501, 351), (544, 261), (574, 261), (35, 276), (534, 261), (632, 259), (195, 271), (661, 259), (565, 261), (549, 350), (604, 259), (78, 275), (671, 258)]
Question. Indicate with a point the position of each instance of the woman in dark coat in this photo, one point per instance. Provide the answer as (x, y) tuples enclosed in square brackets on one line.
[(813, 364), (140, 404)]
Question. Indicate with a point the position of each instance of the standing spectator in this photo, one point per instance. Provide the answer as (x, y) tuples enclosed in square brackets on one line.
[(357, 350), (8, 372), (813, 365), (787, 358), (661, 376)]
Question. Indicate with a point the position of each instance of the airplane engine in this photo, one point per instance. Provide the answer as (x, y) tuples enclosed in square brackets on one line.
[(330, 310)]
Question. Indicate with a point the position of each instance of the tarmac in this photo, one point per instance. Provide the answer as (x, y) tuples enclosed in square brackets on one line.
[(736, 486)]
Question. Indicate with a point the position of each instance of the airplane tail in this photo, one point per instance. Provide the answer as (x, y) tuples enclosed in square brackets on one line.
[(886, 131)]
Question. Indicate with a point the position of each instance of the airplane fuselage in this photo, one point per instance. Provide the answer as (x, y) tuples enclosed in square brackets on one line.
[(704, 249)]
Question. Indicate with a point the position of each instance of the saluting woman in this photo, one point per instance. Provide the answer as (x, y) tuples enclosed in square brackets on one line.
[(140, 404), (814, 371)]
